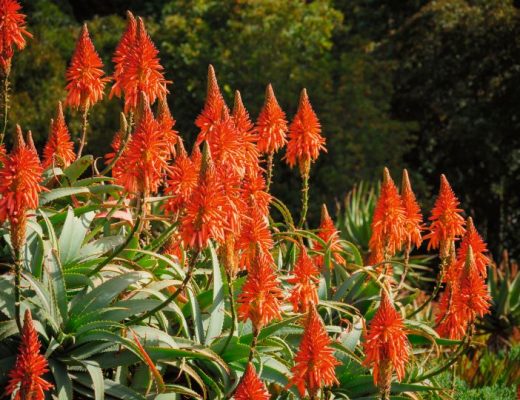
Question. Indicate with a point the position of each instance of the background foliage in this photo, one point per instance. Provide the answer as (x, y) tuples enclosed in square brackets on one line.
[(397, 83)]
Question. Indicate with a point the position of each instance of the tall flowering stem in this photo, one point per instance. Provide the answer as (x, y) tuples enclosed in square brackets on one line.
[(304, 145)]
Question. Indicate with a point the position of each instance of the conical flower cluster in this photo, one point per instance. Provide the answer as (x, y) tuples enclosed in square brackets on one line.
[(329, 234), (304, 293), (25, 379), (85, 74), (413, 216), (59, 150), (12, 32), (271, 125), (251, 387)]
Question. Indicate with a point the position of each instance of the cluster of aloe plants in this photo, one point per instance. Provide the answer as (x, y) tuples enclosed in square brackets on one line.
[(129, 277)]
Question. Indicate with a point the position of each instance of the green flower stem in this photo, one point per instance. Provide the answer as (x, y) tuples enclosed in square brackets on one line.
[(84, 132), (17, 284), (305, 198), (269, 177), (234, 322), (5, 94)]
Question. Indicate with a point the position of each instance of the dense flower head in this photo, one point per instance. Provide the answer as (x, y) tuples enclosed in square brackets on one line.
[(253, 191), (25, 379), (123, 49), (167, 122), (450, 318), (473, 289), (141, 71), (305, 140), (255, 239), (306, 277), (59, 149), (414, 219), (386, 345), (143, 163), (183, 178), (85, 74), (271, 125), (251, 387), (388, 222), (248, 136), (205, 210), (315, 361), (235, 207), (447, 222), (215, 107), (262, 295), (20, 178), (330, 235), (473, 239), (12, 31)]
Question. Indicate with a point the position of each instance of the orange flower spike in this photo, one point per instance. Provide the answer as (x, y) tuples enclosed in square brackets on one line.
[(25, 379), (167, 122), (12, 32), (305, 140), (251, 387), (141, 71), (315, 361), (304, 293), (330, 235), (123, 49), (271, 125), (262, 296), (386, 345), (143, 164), (235, 207), (85, 74), (447, 222), (226, 144), (414, 219), (473, 289), (246, 130), (451, 320), (214, 107), (473, 239), (253, 191), (205, 211), (388, 222), (255, 238), (59, 149), (183, 178)]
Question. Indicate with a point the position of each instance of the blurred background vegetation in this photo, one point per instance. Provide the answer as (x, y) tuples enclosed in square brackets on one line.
[(428, 85)]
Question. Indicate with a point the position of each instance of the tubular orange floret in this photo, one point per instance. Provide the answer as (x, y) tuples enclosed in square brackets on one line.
[(388, 222), (85, 74), (450, 319), (386, 345), (167, 122), (271, 125), (330, 235), (251, 387), (123, 49), (414, 219), (261, 296), (59, 149), (306, 277), (447, 223), (255, 239), (25, 379), (245, 129), (183, 178), (143, 164), (235, 207), (315, 361), (473, 239), (214, 109), (253, 191), (473, 289), (12, 32), (141, 71), (305, 140)]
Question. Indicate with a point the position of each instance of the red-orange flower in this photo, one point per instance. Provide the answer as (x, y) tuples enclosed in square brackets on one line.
[(167, 122), (304, 294), (205, 210), (12, 31), (271, 125), (473, 239), (447, 222), (473, 289), (141, 71), (59, 149), (235, 207), (414, 219), (330, 235), (251, 387), (261, 295), (305, 140), (25, 379), (248, 136), (386, 345), (123, 49), (183, 178), (255, 239), (214, 108), (143, 164), (450, 319), (388, 222), (315, 361), (253, 191), (85, 74), (20, 178)]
